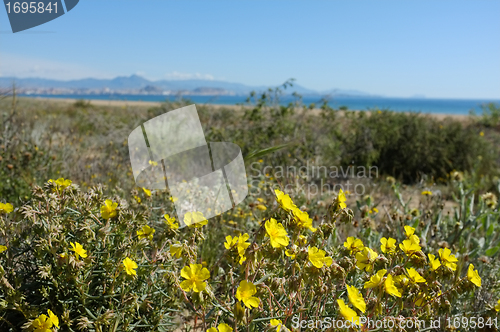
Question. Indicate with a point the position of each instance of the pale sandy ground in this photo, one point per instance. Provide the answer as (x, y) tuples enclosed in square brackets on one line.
[(126, 103)]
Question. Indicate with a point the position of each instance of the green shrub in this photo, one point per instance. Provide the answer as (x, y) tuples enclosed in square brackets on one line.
[(409, 146), (39, 271)]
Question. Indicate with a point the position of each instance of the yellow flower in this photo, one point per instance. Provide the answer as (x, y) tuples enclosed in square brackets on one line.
[(223, 327), (129, 266), (277, 233), (421, 299), (173, 199), (317, 257), (434, 262), (415, 276), (388, 245), (427, 193), (195, 219), (284, 200), (147, 192), (365, 259), (146, 232), (78, 249), (375, 210), (242, 244), (473, 276), (53, 318), (230, 241), (61, 183), (261, 207), (7, 207), (401, 280), (42, 324), (448, 259), (108, 210), (390, 288), (153, 163), (409, 231), (276, 322), (195, 275), (411, 245), (260, 200), (353, 244), (341, 199), (303, 219), (2, 248), (245, 293), (348, 314), (497, 307), (481, 134), (170, 221), (376, 279), (137, 198), (176, 249), (356, 298), (290, 253)]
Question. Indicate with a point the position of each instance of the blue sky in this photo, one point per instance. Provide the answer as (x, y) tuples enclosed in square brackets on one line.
[(448, 49)]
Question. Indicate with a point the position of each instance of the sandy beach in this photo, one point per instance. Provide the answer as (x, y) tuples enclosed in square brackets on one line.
[(128, 103)]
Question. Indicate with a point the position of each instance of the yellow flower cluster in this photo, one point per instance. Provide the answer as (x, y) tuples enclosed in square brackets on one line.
[(301, 218), (399, 275), (238, 242), (391, 282)]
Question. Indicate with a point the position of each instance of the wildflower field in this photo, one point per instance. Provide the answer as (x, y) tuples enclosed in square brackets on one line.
[(408, 239)]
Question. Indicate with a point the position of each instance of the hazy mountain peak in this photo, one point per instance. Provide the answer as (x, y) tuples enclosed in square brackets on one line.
[(133, 83)]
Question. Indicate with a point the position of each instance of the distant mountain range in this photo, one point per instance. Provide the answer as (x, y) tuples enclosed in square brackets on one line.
[(138, 84)]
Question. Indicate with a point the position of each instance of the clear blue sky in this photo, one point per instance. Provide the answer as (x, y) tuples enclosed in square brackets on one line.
[(395, 48)]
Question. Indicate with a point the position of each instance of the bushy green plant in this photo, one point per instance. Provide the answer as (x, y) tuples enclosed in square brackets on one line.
[(490, 116), (66, 251), (407, 146)]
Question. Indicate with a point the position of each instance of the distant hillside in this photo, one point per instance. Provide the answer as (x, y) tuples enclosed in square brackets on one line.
[(135, 82)]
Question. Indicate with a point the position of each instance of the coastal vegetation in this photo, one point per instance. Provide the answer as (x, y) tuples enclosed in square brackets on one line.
[(83, 249)]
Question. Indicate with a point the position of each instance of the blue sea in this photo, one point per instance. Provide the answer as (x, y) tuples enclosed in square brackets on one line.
[(422, 105)]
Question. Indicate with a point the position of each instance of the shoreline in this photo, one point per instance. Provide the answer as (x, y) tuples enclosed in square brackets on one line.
[(136, 103)]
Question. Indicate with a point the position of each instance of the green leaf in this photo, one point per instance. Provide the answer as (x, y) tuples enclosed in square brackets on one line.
[(261, 280), (492, 251), (260, 153), (490, 229)]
